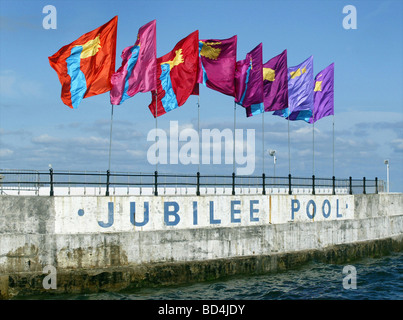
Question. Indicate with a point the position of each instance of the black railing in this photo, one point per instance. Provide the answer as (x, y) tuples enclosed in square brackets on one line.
[(29, 180)]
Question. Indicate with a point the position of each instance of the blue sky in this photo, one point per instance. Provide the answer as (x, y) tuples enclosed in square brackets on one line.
[(37, 129)]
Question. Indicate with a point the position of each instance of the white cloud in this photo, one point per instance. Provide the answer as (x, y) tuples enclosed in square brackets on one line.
[(137, 153), (45, 139), (397, 144), (91, 141), (6, 152), (13, 84)]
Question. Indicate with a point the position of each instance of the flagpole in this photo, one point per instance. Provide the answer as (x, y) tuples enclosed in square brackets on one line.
[(263, 139), (156, 127), (289, 152), (198, 128), (233, 142), (333, 144), (313, 142), (110, 141)]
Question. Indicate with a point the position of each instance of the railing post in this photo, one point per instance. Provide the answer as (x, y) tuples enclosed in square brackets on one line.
[(351, 185), (264, 183), (363, 191), (376, 185), (313, 184), (289, 184), (108, 173), (334, 185), (51, 182), (156, 183), (233, 183), (198, 184)]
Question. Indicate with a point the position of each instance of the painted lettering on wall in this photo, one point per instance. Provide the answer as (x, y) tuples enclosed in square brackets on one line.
[(172, 214), (311, 209), (213, 212)]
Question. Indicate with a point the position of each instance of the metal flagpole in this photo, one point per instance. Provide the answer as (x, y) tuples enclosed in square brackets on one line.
[(263, 139), (233, 142), (156, 127), (198, 128), (313, 142), (289, 152), (333, 145), (110, 141)]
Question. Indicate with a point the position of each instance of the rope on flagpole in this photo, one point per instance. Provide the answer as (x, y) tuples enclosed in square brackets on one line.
[(110, 141)]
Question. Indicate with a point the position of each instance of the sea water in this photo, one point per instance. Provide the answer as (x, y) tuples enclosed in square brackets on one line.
[(372, 279)]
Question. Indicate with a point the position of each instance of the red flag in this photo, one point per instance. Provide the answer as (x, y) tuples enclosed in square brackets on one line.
[(176, 75), (85, 66)]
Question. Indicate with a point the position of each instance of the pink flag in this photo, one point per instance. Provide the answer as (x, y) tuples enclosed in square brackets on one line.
[(138, 72), (217, 62)]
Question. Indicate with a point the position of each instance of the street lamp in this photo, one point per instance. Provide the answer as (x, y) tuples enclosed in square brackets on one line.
[(387, 174), (273, 154)]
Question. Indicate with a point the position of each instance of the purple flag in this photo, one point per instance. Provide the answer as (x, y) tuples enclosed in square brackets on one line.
[(300, 88), (275, 86), (138, 72), (217, 62), (248, 78), (323, 94), (275, 83)]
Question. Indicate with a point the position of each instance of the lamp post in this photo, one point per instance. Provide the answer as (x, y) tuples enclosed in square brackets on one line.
[(273, 154), (387, 174)]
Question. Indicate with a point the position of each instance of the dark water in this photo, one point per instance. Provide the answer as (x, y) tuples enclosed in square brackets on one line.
[(376, 279)]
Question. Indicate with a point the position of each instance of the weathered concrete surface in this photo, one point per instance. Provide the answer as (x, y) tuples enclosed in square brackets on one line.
[(91, 254)]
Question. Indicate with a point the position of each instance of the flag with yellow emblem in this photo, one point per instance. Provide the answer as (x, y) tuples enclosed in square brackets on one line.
[(300, 88), (85, 66), (217, 62), (323, 94), (176, 76), (275, 86)]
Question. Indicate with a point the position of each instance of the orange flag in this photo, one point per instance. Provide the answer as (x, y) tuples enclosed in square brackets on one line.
[(85, 66)]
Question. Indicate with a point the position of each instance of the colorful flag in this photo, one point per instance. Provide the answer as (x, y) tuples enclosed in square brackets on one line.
[(254, 109), (217, 62), (300, 88), (248, 78), (176, 75), (304, 115), (324, 94), (275, 85), (138, 72), (85, 66)]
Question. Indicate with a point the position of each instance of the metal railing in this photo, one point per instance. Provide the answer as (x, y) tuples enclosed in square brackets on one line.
[(22, 181)]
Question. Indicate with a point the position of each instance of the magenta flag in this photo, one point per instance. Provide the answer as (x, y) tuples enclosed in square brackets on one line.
[(217, 62), (248, 78), (275, 83), (323, 94), (138, 72)]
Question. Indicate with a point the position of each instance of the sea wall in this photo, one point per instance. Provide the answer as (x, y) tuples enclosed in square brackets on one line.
[(98, 243)]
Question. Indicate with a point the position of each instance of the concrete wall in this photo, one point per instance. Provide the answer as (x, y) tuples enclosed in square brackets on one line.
[(120, 241)]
